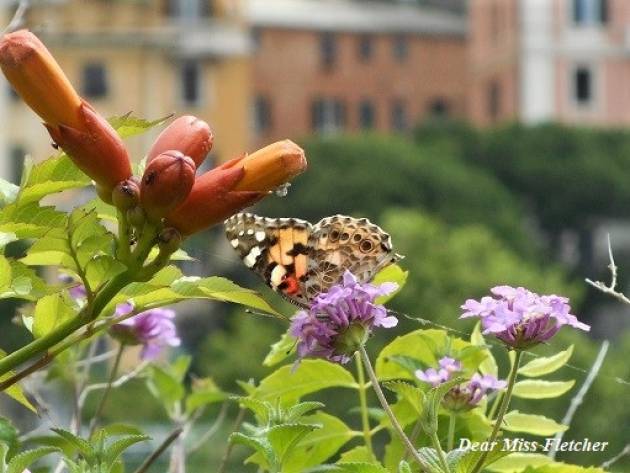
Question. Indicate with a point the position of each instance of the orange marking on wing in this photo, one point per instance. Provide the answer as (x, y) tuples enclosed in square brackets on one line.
[(292, 286), (285, 243)]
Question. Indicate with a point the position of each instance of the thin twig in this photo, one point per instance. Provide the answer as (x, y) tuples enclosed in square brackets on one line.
[(158, 451), (610, 289), (579, 397), (616, 458), (230, 445), (116, 384), (110, 381), (212, 430)]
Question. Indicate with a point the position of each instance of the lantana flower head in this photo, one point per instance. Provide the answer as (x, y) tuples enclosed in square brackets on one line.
[(339, 321), (154, 329), (462, 397), (521, 318)]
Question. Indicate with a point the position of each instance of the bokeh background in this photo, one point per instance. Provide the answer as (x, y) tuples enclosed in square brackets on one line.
[(489, 137)]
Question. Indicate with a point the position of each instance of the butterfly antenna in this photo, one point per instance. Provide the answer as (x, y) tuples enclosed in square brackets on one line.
[(261, 313)]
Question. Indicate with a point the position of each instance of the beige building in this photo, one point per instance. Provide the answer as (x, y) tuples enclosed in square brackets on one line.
[(151, 58)]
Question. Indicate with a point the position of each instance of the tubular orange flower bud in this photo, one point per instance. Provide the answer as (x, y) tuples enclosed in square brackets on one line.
[(220, 192), (38, 79), (190, 135), (126, 194), (166, 182), (262, 168), (95, 147)]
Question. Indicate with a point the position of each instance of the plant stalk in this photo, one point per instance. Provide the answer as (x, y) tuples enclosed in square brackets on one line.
[(438, 449), (108, 388), (451, 432)]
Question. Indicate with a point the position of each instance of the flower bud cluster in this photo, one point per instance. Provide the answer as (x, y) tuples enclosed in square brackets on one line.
[(169, 194)]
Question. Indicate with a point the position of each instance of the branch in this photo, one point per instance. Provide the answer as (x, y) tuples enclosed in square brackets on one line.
[(158, 451), (116, 384), (610, 289), (211, 431), (619, 456), (579, 397)]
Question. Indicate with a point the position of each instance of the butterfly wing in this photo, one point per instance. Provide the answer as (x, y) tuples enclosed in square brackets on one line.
[(274, 248), (341, 243)]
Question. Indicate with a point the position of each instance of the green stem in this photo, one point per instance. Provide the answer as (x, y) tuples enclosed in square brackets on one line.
[(230, 445), (365, 419), (451, 432), (123, 251), (438, 448), (87, 315), (110, 381), (502, 410), (392, 418), (495, 405)]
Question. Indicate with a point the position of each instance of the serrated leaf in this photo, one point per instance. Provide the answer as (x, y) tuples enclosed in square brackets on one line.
[(392, 273), (116, 448), (412, 394), (430, 456), (81, 445), (295, 412), (539, 389), (23, 460), (102, 269), (467, 461), (262, 410), (432, 400), (545, 365), (50, 312), (280, 350), (517, 462), (31, 220), (404, 467), (15, 391), (288, 384), (261, 445), (8, 435), (128, 125), (283, 438), (26, 284), (515, 421), (318, 446)]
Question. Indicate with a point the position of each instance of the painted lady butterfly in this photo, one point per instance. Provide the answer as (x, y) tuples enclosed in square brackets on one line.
[(300, 260)]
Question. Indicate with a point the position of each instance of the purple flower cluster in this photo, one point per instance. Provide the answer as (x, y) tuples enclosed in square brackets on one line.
[(464, 396), (339, 321), (521, 318), (154, 329)]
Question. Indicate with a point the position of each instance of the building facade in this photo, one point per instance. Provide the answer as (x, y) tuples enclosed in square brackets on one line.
[(151, 58), (330, 66)]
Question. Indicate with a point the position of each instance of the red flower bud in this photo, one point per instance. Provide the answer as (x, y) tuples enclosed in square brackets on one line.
[(187, 134), (237, 184), (95, 147), (126, 194), (89, 140), (166, 182)]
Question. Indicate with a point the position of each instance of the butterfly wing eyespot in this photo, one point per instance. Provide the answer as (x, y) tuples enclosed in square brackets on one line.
[(300, 260)]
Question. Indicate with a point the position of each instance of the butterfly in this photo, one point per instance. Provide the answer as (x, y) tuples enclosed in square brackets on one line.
[(300, 260)]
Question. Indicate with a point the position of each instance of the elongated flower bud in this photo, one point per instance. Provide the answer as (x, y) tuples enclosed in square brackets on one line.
[(38, 79), (187, 134), (237, 184), (95, 148), (89, 140), (166, 182)]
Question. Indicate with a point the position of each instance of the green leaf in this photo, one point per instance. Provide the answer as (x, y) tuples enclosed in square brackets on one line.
[(412, 394), (545, 365), (128, 125), (466, 462), (5, 275), (31, 220), (413, 345), (23, 460), (515, 421), (430, 456), (79, 444), (5, 239), (263, 411), (164, 386), (8, 435), (317, 446), (102, 269), (559, 467), (50, 312), (15, 391), (359, 467), (280, 350), (204, 392), (283, 438), (295, 412), (403, 467), (50, 176), (288, 384), (392, 273), (8, 192), (26, 284), (489, 364), (538, 389), (359, 454), (432, 400), (517, 462), (116, 448)]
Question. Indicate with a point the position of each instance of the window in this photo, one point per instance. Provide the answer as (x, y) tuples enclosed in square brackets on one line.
[(328, 50), (366, 115), (494, 100), (328, 116), (262, 115), (190, 83), (16, 155), (400, 48), (366, 48), (94, 81), (590, 12), (438, 108), (583, 85), (399, 115)]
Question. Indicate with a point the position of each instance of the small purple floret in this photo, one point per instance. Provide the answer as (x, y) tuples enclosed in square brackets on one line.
[(154, 329), (77, 291), (340, 317), (521, 318)]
